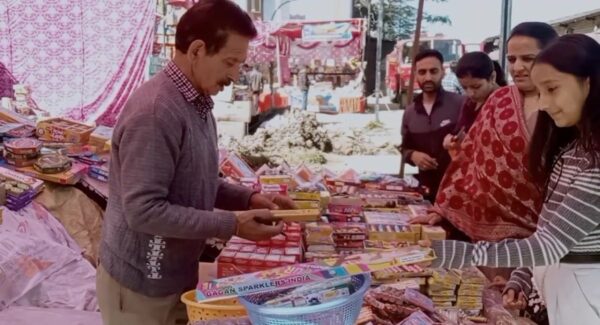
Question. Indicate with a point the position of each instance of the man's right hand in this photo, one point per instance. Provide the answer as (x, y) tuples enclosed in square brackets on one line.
[(257, 225), (423, 161), (431, 219), (512, 300)]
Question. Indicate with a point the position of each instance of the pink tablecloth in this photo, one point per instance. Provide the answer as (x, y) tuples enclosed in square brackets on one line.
[(33, 315)]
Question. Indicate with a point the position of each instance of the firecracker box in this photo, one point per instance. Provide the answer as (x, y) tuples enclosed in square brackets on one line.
[(64, 130), (344, 205), (100, 136), (275, 180), (36, 184), (233, 166), (303, 205), (395, 233), (307, 215), (305, 196), (432, 233), (69, 177)]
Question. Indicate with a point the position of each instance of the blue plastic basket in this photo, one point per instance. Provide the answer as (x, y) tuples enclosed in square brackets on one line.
[(343, 311)]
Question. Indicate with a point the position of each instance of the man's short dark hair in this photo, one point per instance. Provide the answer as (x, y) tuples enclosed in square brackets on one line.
[(429, 54), (211, 21)]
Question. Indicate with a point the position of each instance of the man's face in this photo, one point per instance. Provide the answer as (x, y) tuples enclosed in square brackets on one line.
[(213, 72), (430, 73)]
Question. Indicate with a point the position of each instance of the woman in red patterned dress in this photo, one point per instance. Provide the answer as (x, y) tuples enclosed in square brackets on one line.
[(487, 192)]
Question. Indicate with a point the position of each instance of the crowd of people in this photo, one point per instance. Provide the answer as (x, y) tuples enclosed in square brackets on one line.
[(517, 185)]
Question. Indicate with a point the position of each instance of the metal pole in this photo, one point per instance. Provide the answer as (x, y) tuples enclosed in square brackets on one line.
[(505, 32), (378, 65), (415, 50)]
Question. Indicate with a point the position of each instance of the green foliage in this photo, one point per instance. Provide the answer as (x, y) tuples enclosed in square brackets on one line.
[(399, 17)]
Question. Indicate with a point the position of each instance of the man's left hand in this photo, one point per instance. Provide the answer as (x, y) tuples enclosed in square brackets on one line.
[(271, 202)]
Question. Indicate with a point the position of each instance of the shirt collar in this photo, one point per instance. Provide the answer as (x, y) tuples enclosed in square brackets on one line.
[(439, 100), (185, 87)]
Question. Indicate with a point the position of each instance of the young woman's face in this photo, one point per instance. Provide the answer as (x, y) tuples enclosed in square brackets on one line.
[(521, 52), (477, 89), (562, 95)]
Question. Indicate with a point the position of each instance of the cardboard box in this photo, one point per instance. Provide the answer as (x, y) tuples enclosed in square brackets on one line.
[(226, 256), (234, 166), (36, 184), (272, 260), (305, 196), (64, 130), (302, 205), (69, 177), (12, 117), (242, 258), (275, 180), (347, 206), (432, 233), (394, 233), (307, 215)]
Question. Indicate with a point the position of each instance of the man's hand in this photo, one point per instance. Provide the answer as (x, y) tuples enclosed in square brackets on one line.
[(423, 161), (512, 300), (257, 225), (431, 219), (271, 202)]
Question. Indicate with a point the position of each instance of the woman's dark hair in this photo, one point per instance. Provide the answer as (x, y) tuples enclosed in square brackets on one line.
[(479, 65), (577, 55), (542, 32), (212, 21), (500, 76)]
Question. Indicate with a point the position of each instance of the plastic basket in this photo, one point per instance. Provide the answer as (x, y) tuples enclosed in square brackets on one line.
[(227, 308), (343, 311)]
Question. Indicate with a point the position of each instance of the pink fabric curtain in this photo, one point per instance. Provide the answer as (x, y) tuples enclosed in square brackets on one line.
[(82, 58), (6, 82)]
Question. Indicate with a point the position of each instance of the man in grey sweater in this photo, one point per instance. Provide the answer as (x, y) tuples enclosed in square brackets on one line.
[(164, 182)]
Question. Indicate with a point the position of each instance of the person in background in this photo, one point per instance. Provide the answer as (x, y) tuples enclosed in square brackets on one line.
[(564, 250), (478, 77), (304, 85), (426, 122), (450, 82), (256, 84), (164, 180), (244, 80), (500, 76), (488, 192)]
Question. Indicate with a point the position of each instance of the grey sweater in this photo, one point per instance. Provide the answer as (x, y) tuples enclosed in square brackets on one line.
[(164, 186)]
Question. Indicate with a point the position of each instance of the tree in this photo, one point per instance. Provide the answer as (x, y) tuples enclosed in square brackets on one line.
[(399, 17)]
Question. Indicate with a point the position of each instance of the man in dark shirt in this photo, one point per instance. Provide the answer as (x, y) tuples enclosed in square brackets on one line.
[(426, 122)]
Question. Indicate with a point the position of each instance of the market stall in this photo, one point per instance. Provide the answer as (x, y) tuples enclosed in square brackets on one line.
[(331, 53)]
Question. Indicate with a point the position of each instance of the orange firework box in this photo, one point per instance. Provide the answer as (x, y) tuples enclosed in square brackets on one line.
[(64, 130)]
